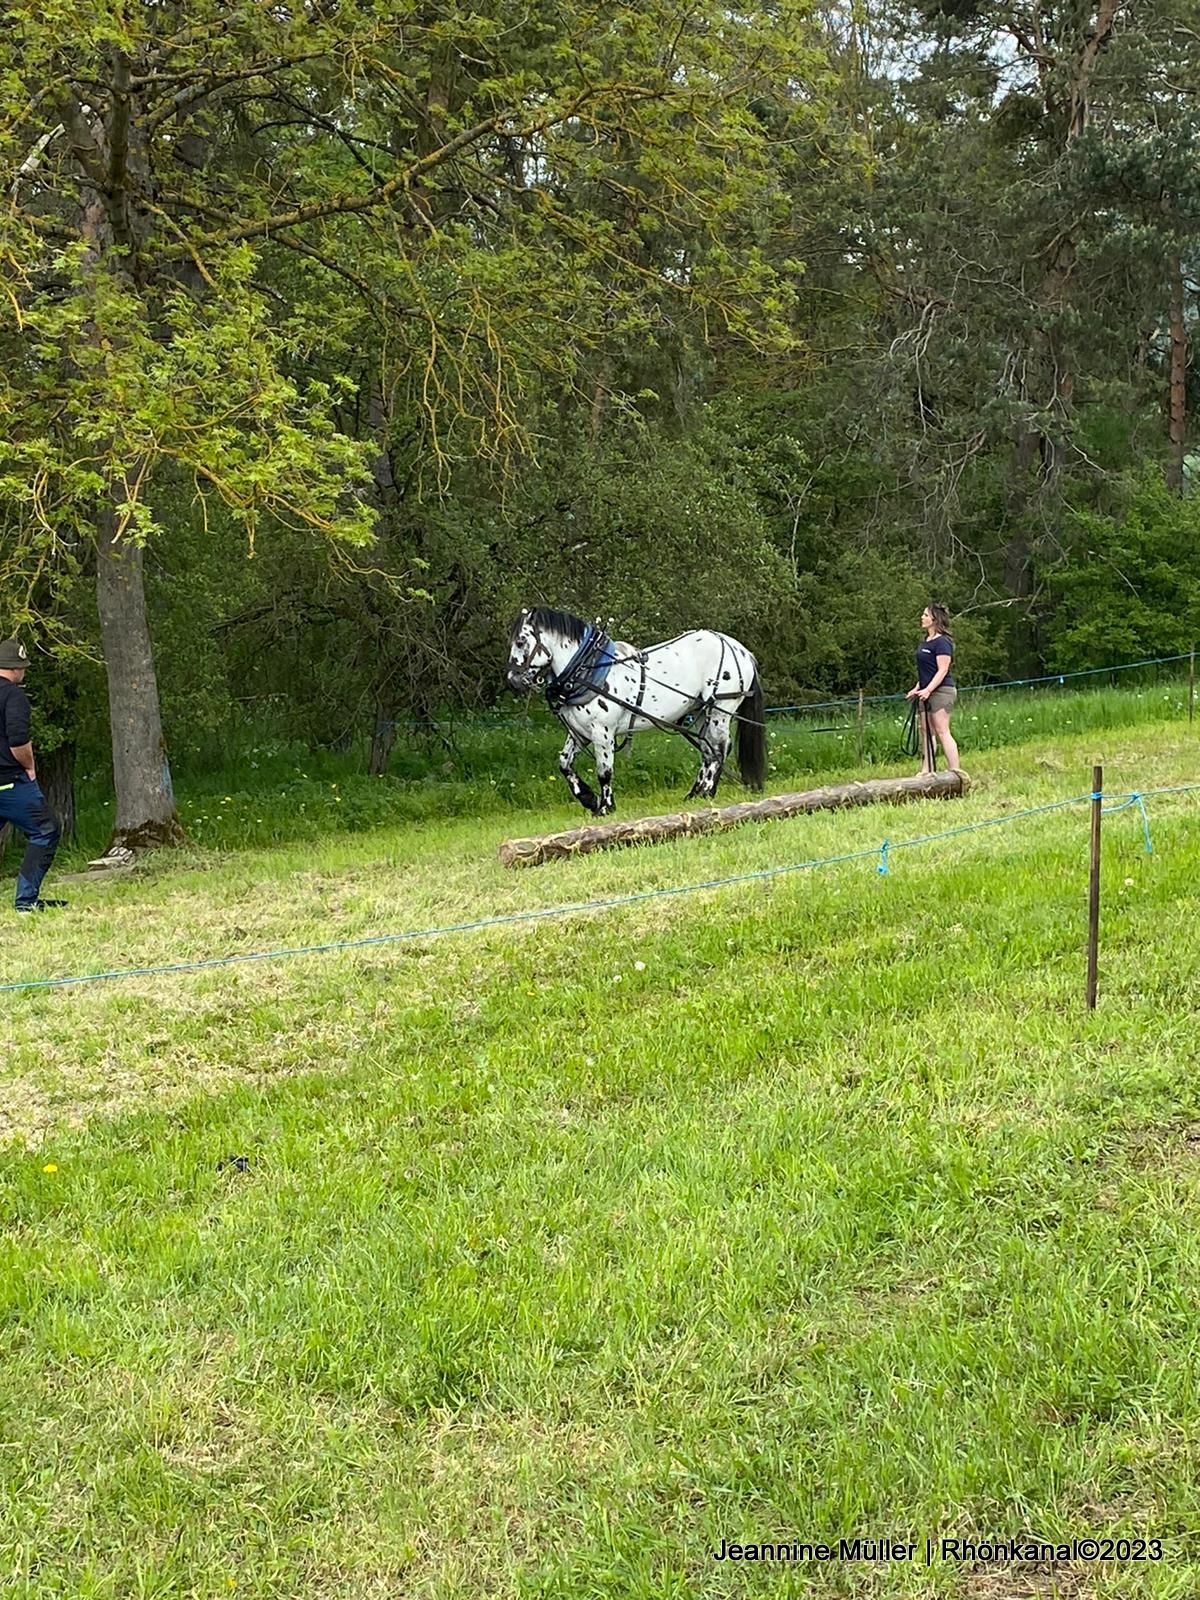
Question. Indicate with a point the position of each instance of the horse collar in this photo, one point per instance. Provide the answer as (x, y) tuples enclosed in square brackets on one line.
[(584, 674)]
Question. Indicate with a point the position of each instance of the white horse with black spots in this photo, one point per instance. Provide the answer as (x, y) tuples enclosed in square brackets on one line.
[(602, 691)]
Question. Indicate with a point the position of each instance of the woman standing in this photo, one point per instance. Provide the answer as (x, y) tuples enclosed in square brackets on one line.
[(935, 688)]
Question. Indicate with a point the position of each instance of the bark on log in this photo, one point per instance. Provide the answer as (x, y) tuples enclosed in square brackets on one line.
[(653, 830)]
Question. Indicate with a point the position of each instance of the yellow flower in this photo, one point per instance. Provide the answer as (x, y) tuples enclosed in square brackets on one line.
[(51, 1166)]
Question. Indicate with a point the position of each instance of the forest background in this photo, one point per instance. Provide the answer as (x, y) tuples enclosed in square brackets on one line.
[(332, 333)]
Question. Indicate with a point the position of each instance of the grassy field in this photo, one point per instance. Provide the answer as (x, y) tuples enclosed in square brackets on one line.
[(540, 1260)]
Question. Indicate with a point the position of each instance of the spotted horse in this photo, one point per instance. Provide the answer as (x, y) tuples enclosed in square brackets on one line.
[(602, 691)]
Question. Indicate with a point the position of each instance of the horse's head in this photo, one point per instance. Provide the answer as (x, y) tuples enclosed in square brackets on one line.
[(529, 656)]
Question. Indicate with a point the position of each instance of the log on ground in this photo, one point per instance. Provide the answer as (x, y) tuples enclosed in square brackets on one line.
[(654, 830)]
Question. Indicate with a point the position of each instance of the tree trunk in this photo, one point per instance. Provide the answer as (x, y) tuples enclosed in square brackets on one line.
[(142, 779), (141, 775), (383, 742), (381, 465), (602, 379), (1177, 414), (56, 774), (653, 830), (1018, 556)]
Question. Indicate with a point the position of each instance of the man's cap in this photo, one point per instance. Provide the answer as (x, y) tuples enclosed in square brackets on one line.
[(12, 655)]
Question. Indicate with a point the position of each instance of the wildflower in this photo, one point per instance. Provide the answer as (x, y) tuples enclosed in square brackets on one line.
[(1128, 883), (639, 966), (51, 1166)]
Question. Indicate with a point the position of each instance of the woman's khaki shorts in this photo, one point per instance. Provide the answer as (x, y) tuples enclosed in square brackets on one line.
[(942, 700)]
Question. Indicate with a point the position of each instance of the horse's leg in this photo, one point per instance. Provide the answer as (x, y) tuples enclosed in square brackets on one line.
[(702, 787), (716, 744), (582, 791), (712, 730), (604, 744)]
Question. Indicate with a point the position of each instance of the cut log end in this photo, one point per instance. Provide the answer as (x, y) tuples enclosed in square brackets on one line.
[(534, 851)]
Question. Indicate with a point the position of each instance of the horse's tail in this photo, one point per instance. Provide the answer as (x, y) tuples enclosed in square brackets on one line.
[(752, 737)]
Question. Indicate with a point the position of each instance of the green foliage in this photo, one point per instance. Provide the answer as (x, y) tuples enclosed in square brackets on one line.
[(1129, 584), (197, 385), (659, 534)]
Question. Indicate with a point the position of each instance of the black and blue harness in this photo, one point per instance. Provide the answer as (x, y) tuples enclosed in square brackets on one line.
[(585, 674)]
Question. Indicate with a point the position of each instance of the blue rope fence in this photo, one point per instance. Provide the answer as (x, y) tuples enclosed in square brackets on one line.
[(848, 702), (546, 913)]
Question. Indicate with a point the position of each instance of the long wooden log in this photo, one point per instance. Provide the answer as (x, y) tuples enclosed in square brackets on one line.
[(653, 830)]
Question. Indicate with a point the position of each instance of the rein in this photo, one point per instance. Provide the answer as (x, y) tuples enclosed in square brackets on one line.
[(912, 739)]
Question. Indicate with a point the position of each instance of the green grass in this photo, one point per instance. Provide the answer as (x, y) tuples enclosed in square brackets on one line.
[(812, 1207)]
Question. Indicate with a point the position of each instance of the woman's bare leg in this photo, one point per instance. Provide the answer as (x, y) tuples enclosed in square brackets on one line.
[(940, 723)]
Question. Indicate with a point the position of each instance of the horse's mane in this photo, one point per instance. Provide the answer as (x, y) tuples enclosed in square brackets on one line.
[(564, 623)]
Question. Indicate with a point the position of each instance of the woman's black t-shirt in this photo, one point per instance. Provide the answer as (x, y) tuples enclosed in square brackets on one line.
[(927, 663)]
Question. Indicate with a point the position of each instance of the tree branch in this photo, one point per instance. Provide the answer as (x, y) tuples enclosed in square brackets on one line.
[(83, 142), (403, 181), (30, 164), (376, 301), (345, 204), (212, 82)]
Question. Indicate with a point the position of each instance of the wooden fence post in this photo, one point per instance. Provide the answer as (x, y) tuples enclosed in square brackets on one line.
[(1094, 888), (860, 727)]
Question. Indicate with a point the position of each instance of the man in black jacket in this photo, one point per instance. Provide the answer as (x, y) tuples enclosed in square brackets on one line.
[(21, 799)]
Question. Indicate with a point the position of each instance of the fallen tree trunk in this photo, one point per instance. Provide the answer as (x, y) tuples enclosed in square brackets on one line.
[(653, 830)]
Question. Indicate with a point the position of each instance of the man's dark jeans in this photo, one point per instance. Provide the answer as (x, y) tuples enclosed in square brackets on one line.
[(24, 805)]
